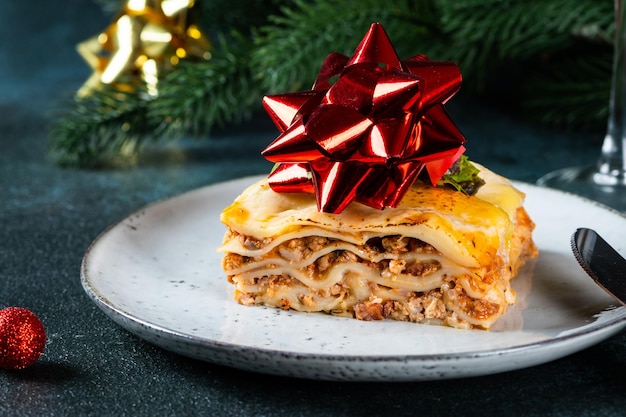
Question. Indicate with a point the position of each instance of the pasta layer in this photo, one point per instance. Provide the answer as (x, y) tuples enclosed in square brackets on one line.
[(440, 256)]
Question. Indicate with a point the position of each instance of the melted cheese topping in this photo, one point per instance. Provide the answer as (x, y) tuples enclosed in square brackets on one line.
[(469, 230), (281, 251)]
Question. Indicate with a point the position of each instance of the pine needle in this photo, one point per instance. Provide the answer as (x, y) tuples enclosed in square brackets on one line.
[(200, 95), (101, 126), (290, 51)]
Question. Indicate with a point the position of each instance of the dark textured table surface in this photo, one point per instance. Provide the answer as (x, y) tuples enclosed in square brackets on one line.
[(91, 366)]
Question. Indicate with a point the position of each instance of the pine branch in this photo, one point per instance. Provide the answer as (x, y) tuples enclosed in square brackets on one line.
[(551, 59), (100, 127), (200, 95), (289, 52), (570, 90), (192, 99), (516, 29), (487, 34), (548, 60)]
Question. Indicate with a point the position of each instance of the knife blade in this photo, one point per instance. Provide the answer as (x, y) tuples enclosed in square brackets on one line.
[(603, 263)]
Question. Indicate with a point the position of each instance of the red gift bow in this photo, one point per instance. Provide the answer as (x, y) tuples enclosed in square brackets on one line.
[(368, 136)]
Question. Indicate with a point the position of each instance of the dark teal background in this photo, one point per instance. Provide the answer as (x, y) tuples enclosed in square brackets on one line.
[(92, 367)]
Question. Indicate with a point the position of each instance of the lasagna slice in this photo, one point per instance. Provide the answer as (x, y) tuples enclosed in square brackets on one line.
[(439, 257)]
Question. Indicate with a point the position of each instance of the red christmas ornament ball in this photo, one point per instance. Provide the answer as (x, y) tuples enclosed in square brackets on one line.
[(22, 338)]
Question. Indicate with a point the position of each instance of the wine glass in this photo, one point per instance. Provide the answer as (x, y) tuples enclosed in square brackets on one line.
[(605, 182)]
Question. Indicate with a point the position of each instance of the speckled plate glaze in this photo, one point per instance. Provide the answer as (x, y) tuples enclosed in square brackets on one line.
[(157, 274)]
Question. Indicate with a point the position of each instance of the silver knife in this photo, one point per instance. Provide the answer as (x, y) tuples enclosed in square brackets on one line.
[(603, 263)]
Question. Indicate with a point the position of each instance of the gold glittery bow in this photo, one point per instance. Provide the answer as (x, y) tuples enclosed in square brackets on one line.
[(146, 38)]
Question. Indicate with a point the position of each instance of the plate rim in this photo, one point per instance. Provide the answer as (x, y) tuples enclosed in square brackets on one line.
[(121, 316), (558, 339)]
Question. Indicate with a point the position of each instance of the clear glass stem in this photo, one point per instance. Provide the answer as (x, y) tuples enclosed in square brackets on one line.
[(611, 165), (606, 181)]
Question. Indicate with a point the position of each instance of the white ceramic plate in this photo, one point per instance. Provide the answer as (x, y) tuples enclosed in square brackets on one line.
[(156, 273)]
